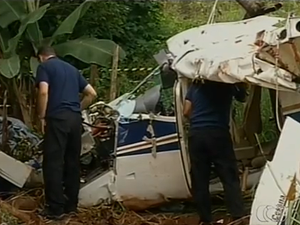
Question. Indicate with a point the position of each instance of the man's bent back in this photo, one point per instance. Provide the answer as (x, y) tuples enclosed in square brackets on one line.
[(65, 83)]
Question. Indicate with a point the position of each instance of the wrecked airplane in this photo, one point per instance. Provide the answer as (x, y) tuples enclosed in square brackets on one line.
[(135, 148), (263, 52), (151, 164)]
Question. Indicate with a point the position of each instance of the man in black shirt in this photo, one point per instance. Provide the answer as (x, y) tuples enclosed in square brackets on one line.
[(59, 109), (208, 107)]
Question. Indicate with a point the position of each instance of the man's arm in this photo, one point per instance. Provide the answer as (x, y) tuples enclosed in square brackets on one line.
[(42, 83), (89, 93), (187, 105), (187, 108)]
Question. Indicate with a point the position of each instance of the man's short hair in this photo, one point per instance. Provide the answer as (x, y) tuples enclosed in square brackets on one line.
[(46, 50)]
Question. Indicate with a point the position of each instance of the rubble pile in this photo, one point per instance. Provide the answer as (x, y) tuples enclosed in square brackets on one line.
[(23, 144)]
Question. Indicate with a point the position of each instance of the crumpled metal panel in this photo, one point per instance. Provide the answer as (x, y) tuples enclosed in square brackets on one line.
[(241, 51), (13, 170), (277, 191)]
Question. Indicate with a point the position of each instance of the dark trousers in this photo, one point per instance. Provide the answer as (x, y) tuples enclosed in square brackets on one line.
[(213, 146), (61, 162)]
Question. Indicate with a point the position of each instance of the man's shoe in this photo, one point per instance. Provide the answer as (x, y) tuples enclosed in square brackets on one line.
[(50, 215), (71, 211)]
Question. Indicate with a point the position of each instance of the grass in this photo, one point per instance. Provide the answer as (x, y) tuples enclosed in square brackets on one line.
[(268, 123), (6, 218)]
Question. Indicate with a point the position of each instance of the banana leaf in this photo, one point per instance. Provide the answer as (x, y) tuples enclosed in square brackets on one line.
[(10, 11), (34, 63), (29, 19), (67, 26), (90, 50), (10, 67)]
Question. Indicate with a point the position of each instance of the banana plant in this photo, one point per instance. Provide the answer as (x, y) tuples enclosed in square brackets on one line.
[(29, 12)]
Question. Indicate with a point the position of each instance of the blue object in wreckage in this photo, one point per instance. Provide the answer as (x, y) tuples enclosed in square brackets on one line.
[(18, 131), (134, 131), (295, 116)]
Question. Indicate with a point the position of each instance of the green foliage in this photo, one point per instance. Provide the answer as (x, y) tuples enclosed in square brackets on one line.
[(144, 25), (33, 63), (10, 67), (11, 11), (89, 50), (135, 25), (84, 49), (185, 15), (268, 119), (7, 218), (30, 18), (67, 26)]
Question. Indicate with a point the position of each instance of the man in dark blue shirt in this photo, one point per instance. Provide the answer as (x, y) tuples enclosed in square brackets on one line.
[(208, 107), (59, 108)]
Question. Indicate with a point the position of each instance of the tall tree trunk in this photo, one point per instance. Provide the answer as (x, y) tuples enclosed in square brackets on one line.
[(255, 8), (114, 73), (185, 8), (251, 7), (5, 137)]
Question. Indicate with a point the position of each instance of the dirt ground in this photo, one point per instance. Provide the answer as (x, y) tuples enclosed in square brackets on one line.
[(23, 209), (20, 211)]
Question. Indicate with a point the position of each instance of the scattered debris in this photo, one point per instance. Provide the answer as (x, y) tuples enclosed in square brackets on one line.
[(22, 142)]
